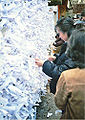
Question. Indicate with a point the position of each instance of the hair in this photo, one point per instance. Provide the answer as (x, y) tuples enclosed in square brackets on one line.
[(83, 13), (66, 25), (76, 47)]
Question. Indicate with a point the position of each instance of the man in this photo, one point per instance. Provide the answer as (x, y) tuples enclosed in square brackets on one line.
[(55, 65), (80, 23)]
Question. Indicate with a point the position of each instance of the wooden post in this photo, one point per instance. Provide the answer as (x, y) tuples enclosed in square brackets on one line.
[(62, 9), (58, 11)]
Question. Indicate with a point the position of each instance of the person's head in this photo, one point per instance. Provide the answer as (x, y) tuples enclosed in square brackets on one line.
[(76, 47), (79, 24), (64, 28), (83, 15)]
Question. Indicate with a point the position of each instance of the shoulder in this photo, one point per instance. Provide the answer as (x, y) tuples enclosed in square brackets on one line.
[(74, 75), (74, 71)]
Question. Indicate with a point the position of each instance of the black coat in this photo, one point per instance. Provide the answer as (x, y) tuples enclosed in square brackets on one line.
[(54, 69)]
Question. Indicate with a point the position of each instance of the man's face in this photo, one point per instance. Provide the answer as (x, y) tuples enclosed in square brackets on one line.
[(62, 35)]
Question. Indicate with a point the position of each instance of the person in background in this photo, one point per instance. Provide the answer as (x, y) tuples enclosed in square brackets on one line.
[(70, 89), (81, 22), (56, 64), (83, 15)]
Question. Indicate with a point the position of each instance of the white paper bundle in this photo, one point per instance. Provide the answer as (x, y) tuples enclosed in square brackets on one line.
[(29, 31)]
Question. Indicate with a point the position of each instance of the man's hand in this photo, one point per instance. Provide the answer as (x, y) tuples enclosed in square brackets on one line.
[(51, 58), (39, 62)]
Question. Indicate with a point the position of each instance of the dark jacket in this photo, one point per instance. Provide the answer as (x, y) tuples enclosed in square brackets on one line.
[(70, 94), (54, 69)]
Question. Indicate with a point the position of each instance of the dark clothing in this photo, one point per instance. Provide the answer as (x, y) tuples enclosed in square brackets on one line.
[(63, 48), (70, 94), (54, 69)]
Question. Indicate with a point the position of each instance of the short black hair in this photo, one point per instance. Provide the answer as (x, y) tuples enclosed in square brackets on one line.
[(76, 47), (66, 25)]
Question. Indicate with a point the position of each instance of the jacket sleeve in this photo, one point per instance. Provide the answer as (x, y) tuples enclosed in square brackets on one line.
[(48, 68), (53, 70), (61, 94)]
